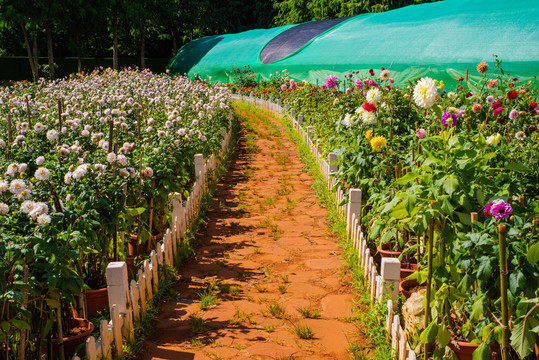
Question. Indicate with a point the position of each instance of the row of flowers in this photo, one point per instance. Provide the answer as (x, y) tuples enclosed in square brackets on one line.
[(445, 167), (82, 161)]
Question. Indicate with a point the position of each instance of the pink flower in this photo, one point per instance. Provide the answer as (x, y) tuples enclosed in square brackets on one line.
[(421, 133)]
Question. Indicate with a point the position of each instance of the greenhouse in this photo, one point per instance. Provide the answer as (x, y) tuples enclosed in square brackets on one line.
[(440, 40)]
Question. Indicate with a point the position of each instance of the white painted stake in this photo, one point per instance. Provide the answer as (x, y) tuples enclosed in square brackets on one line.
[(391, 268), (354, 207)]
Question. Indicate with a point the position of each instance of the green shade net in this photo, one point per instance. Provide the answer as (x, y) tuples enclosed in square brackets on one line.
[(441, 40)]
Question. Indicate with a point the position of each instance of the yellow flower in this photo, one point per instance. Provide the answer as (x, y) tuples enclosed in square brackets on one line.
[(441, 85), (378, 142), (368, 135)]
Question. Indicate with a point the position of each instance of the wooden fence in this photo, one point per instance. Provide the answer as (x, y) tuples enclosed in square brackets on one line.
[(128, 301), (381, 285)]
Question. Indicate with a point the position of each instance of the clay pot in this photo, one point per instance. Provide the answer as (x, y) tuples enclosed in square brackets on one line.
[(135, 248), (406, 285), (72, 342), (463, 349), (384, 251), (407, 272), (96, 300)]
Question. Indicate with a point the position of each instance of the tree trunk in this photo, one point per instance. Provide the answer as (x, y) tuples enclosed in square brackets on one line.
[(174, 42), (79, 62), (115, 37), (50, 54), (142, 48), (36, 62), (29, 51)]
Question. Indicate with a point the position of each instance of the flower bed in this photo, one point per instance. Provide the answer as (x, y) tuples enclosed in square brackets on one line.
[(84, 162), (449, 178)]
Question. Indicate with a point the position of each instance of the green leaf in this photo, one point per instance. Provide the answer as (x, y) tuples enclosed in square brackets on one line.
[(477, 309), (429, 334), (533, 254), (466, 219), (399, 211), (516, 167), (409, 177), (53, 303), (482, 352), (438, 111), (450, 183), (480, 195), (444, 338), (19, 324), (522, 339)]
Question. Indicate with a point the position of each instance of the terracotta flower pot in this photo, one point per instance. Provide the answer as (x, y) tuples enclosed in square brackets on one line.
[(83, 329), (96, 300), (406, 285), (463, 349), (135, 248), (385, 251), (405, 272)]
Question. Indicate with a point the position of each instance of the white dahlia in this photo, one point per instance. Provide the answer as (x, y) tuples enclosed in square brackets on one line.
[(425, 92), (374, 96)]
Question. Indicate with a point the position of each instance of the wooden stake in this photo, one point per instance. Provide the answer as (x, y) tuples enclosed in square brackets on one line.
[(22, 344), (9, 135), (28, 111)]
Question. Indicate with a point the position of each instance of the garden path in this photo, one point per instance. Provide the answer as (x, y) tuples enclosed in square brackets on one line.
[(264, 252)]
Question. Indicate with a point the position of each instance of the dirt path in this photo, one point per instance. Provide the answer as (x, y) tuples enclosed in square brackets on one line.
[(268, 281)]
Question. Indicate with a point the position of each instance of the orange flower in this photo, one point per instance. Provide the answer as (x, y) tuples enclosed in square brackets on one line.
[(482, 67)]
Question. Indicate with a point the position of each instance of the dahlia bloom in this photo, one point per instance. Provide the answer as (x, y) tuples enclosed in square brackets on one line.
[(421, 133), (498, 111), (358, 84), (448, 116), (331, 81), (368, 134), (482, 67), (374, 96), (425, 92), (493, 139), (490, 99), (42, 174), (476, 108), (513, 114), (378, 142), (499, 209)]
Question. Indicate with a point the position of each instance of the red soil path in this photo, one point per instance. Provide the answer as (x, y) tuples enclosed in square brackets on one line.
[(264, 253)]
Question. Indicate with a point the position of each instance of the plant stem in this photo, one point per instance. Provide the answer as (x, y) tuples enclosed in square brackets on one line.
[(503, 281), (429, 281)]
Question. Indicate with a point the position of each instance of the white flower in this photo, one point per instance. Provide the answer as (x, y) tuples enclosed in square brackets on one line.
[(27, 206), (3, 186), (425, 92), (43, 219), (452, 95), (124, 173), (349, 121), (161, 134), (111, 157), (4, 208), (68, 177), (38, 127), (202, 138), (22, 167), (85, 133), (493, 140), (122, 159), (17, 186), (12, 169), (181, 132), (40, 160), (52, 135), (2, 144), (374, 96), (42, 173), (369, 118), (194, 123)]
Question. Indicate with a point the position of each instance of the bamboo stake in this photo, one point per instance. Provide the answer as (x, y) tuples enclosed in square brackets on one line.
[(429, 280), (60, 333), (28, 111), (502, 229), (59, 119), (22, 343), (9, 135)]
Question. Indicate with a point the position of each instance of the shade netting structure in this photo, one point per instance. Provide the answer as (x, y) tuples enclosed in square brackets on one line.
[(441, 40)]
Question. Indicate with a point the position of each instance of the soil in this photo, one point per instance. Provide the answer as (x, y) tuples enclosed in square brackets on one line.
[(264, 252)]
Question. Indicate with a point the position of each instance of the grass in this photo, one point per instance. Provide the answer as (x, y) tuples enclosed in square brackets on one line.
[(303, 331), (207, 299), (282, 288), (197, 343), (198, 324), (242, 318), (269, 328), (277, 310), (309, 312)]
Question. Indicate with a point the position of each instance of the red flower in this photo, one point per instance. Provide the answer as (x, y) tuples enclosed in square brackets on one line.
[(382, 68), (369, 107), (512, 94), (533, 104), (371, 71), (496, 104)]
